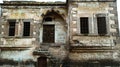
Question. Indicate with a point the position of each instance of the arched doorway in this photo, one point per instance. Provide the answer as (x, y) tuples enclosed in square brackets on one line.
[(53, 28)]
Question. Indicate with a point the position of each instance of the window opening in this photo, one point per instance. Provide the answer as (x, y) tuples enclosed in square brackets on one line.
[(26, 29), (12, 28), (101, 22), (84, 25)]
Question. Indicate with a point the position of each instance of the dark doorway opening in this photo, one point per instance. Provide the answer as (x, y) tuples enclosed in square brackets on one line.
[(48, 33), (42, 62)]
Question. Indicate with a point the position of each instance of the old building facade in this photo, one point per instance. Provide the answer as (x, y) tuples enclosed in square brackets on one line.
[(75, 33)]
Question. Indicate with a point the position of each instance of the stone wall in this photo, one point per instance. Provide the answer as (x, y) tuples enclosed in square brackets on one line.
[(93, 46), (92, 10), (67, 32), (19, 48)]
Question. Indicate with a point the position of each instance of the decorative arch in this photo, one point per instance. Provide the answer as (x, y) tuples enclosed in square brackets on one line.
[(48, 13), (54, 24)]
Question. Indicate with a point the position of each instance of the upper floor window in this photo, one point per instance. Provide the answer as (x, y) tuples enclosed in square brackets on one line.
[(96, 25), (12, 28), (18, 28), (101, 24), (26, 29), (84, 27)]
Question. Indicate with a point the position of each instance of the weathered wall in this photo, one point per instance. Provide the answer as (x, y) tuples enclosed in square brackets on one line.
[(94, 56), (59, 53), (91, 46), (91, 10), (16, 42), (19, 48), (23, 55)]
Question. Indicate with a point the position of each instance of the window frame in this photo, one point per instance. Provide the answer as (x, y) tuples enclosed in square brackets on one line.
[(93, 29), (86, 19), (8, 28), (12, 28), (19, 23), (107, 23), (101, 24), (25, 29), (89, 25), (31, 31)]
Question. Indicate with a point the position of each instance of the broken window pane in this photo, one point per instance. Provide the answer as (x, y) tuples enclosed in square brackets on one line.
[(84, 25), (26, 29), (12, 28), (101, 22)]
